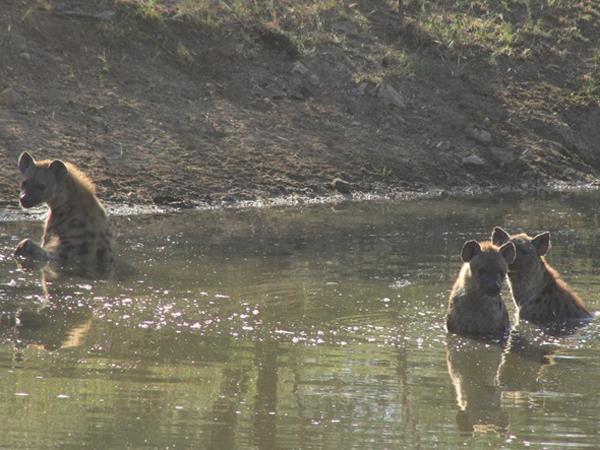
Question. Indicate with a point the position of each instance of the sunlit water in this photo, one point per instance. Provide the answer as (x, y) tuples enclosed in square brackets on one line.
[(318, 327)]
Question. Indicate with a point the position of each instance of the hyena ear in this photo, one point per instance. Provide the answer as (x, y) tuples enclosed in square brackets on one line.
[(541, 242), (25, 161), (508, 252), (499, 236), (59, 169), (470, 250)]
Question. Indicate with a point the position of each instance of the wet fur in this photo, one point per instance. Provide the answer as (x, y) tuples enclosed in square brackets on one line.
[(472, 311), (538, 290), (76, 231)]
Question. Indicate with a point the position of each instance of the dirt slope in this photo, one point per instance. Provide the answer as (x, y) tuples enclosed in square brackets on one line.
[(170, 110)]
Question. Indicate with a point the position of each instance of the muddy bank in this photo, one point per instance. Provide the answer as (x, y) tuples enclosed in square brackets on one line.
[(172, 112), (11, 214)]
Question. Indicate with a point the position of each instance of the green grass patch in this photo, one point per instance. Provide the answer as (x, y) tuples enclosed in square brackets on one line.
[(591, 80), (457, 30), (513, 28), (149, 9)]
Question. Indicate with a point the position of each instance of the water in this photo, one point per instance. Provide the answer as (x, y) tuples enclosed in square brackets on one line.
[(318, 327)]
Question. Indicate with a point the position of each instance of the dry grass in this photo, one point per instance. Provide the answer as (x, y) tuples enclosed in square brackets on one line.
[(458, 30)]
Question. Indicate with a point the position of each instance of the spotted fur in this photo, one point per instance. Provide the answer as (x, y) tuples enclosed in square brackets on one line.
[(76, 232), (475, 306), (537, 289)]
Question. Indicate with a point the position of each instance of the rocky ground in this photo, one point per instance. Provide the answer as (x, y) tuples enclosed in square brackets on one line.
[(165, 108)]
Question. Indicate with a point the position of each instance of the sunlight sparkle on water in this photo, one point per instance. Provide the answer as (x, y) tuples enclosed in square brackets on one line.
[(297, 328)]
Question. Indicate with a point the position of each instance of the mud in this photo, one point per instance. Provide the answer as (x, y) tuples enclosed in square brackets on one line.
[(176, 114)]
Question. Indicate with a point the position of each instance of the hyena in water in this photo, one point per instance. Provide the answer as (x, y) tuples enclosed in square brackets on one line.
[(475, 306), (76, 232), (537, 289)]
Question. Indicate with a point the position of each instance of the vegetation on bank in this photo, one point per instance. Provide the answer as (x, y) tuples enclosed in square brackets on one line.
[(455, 30), (266, 98)]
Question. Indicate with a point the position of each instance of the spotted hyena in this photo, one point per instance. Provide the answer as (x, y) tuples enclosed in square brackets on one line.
[(538, 290), (76, 232), (475, 306)]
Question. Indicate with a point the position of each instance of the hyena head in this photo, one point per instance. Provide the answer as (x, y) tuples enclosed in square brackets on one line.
[(529, 249), (488, 264), (42, 180)]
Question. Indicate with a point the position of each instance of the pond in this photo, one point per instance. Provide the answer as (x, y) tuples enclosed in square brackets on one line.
[(307, 327)]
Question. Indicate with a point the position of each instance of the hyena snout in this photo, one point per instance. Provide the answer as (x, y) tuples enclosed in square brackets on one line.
[(31, 193), (491, 284)]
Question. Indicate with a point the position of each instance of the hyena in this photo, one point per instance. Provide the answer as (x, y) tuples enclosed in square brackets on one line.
[(76, 232), (538, 291), (475, 306)]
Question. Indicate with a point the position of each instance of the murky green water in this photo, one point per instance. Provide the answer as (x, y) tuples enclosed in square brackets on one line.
[(320, 327)]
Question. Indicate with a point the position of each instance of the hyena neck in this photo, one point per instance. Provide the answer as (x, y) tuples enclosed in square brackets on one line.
[(73, 197), (73, 201), (469, 289), (464, 282), (526, 286)]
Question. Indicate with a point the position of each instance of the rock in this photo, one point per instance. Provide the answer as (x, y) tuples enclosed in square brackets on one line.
[(361, 89), (97, 120), (105, 15), (299, 68), (479, 134), (366, 88), (390, 96), (341, 186), (503, 155), (10, 98), (473, 160), (314, 79)]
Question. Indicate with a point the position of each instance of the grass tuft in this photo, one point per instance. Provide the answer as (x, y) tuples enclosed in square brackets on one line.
[(591, 80)]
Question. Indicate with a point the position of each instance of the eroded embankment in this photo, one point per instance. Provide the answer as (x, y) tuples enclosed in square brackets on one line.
[(169, 111)]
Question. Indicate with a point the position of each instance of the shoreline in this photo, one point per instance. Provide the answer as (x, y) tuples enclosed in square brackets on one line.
[(13, 213)]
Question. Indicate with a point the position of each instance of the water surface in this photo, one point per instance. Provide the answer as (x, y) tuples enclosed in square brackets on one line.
[(316, 327)]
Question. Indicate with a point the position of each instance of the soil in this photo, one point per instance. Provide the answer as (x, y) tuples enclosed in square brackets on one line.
[(170, 112)]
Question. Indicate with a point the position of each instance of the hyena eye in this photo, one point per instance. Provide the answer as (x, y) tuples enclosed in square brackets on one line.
[(30, 185)]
